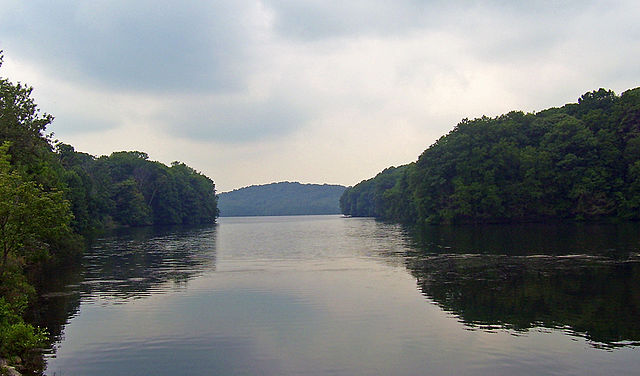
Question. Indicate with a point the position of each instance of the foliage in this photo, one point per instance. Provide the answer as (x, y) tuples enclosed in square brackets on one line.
[(127, 189), (16, 336), (29, 217), (372, 198), (284, 198), (580, 161), (22, 123)]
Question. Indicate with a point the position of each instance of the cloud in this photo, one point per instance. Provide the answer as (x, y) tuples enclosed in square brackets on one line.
[(314, 20), (142, 45), (232, 120), (317, 19), (254, 91)]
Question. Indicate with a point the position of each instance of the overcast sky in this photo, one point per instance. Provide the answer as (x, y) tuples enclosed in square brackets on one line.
[(318, 91)]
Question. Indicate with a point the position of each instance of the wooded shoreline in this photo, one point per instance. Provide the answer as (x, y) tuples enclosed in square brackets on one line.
[(52, 196), (579, 162)]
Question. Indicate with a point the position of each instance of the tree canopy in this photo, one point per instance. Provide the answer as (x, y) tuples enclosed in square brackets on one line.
[(126, 188), (579, 161), (29, 216)]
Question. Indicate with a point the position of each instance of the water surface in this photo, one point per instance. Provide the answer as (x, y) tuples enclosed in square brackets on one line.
[(326, 295)]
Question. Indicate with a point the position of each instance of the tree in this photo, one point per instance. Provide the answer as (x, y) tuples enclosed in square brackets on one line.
[(30, 217), (577, 161), (22, 123), (131, 209)]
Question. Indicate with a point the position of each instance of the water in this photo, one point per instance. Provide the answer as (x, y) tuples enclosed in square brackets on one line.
[(324, 295)]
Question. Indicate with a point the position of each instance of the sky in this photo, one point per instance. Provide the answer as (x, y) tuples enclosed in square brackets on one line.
[(315, 91)]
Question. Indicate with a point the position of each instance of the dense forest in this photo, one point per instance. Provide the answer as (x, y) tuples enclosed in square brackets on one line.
[(580, 161), (126, 188), (284, 198), (52, 195)]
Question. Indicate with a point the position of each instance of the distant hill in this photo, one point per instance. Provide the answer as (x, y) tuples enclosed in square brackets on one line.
[(283, 198)]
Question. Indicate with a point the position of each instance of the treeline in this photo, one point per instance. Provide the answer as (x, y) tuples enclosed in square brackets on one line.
[(50, 195), (284, 198), (127, 189), (580, 161)]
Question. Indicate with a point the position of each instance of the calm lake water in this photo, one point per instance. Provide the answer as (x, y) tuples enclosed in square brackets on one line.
[(324, 295)]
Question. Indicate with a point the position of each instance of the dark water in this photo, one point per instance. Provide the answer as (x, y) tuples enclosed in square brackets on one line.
[(327, 295)]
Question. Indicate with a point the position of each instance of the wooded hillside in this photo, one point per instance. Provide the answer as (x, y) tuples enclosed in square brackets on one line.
[(579, 161), (284, 198)]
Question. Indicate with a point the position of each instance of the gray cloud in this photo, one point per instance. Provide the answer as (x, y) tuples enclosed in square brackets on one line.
[(305, 86), (68, 123), (234, 120), (318, 19), (140, 45)]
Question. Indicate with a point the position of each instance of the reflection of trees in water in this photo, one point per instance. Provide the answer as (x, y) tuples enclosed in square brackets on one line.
[(521, 280), (611, 240), (58, 301), (125, 264), (135, 263)]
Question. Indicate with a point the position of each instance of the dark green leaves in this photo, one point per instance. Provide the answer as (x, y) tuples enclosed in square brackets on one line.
[(578, 161)]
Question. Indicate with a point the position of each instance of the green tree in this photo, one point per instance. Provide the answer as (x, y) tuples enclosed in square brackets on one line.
[(30, 217), (16, 336), (22, 123), (578, 161), (131, 208)]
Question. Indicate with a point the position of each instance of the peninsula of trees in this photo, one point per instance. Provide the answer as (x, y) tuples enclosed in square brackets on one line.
[(284, 198), (580, 161), (127, 189)]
